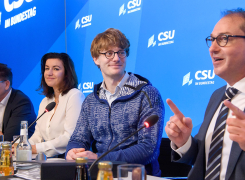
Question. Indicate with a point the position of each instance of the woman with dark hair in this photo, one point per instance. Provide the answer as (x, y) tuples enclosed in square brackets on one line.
[(59, 84)]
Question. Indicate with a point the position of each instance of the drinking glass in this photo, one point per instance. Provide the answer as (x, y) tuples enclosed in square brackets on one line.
[(1, 142), (16, 143), (1, 138), (131, 172)]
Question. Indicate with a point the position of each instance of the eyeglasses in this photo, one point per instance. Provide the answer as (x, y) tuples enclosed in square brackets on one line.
[(221, 39), (3, 81), (111, 54)]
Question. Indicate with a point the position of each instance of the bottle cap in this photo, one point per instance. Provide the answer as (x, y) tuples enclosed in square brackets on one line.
[(6, 146), (81, 160), (105, 165)]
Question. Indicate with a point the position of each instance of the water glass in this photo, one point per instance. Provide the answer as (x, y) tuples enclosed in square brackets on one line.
[(1, 142), (16, 143), (131, 172), (1, 138)]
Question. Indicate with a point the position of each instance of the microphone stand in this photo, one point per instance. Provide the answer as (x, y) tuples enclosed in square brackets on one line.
[(48, 108), (16, 139)]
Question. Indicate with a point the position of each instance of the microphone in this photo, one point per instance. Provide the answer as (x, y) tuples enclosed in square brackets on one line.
[(150, 121), (48, 108)]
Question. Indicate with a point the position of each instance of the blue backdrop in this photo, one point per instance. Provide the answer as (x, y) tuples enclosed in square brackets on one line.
[(167, 43)]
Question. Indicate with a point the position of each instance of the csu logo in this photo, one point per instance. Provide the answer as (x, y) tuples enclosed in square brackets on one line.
[(87, 19), (165, 36), (133, 5), (200, 76), (162, 36), (122, 10), (84, 21), (87, 87), (14, 5), (186, 79), (151, 41)]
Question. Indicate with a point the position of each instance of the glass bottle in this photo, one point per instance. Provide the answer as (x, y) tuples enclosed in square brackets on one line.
[(81, 172), (24, 149), (6, 162), (105, 172)]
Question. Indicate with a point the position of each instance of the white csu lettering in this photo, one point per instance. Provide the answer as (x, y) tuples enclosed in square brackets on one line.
[(88, 85), (162, 36), (205, 74), (133, 3), (13, 5), (86, 19)]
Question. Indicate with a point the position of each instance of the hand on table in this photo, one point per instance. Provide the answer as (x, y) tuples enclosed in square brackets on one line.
[(80, 152), (88, 154)]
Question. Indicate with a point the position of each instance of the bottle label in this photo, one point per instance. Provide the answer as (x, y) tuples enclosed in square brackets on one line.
[(24, 132), (24, 155), (2, 173), (104, 175)]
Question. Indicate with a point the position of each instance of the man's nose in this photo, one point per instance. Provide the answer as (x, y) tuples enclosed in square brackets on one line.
[(214, 47), (116, 57)]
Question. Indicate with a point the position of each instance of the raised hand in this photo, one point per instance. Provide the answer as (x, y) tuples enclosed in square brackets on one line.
[(236, 125), (178, 128)]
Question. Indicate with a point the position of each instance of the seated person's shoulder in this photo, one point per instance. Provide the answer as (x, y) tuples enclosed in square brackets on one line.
[(19, 96), (219, 91), (147, 86), (150, 88), (74, 91), (21, 103)]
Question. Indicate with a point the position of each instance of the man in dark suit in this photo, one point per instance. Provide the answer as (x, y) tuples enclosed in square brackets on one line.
[(217, 151), (15, 107)]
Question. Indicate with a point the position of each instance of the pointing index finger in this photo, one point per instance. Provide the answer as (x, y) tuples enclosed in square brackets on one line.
[(174, 108), (236, 111)]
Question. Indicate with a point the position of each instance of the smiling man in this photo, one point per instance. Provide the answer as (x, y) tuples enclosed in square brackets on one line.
[(217, 151), (117, 108)]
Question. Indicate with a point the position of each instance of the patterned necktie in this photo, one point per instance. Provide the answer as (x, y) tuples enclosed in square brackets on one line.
[(214, 156)]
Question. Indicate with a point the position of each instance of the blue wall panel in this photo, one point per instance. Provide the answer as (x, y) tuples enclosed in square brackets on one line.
[(167, 44)]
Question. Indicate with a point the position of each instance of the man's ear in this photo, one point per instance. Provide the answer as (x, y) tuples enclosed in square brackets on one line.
[(96, 61), (7, 82)]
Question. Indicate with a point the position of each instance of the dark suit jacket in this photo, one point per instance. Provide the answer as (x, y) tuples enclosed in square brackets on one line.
[(196, 154), (19, 108)]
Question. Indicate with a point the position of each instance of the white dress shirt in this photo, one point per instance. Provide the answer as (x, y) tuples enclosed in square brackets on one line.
[(54, 129), (239, 101), (3, 105), (111, 97)]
